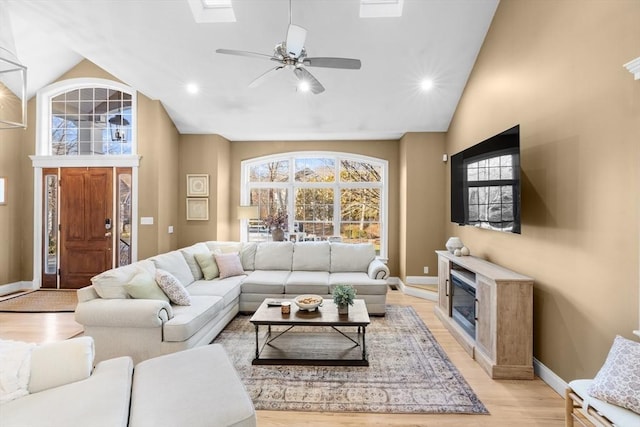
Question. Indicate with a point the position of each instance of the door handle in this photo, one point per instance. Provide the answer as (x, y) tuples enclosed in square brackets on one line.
[(107, 234)]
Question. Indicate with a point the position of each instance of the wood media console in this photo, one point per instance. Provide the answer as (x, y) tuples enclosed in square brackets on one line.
[(489, 310)]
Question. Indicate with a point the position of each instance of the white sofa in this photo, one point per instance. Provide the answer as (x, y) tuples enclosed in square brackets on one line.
[(145, 328), (197, 387)]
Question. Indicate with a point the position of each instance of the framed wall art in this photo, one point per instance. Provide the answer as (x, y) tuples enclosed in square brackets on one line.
[(197, 209), (197, 185)]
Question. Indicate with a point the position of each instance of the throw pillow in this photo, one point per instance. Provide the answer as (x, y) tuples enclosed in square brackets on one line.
[(173, 288), (208, 265), (143, 286), (618, 379), (229, 265), (15, 367)]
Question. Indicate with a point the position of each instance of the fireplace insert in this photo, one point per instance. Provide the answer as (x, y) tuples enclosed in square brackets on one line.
[(463, 304)]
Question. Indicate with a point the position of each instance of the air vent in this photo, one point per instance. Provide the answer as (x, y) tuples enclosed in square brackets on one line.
[(381, 8), (208, 11)]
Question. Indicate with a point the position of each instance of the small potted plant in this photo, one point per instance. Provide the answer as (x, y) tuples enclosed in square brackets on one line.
[(343, 296)]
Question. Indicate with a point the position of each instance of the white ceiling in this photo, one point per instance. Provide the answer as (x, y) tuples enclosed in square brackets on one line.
[(156, 47)]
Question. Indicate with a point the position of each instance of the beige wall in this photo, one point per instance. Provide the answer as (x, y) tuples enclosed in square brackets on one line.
[(422, 195), (158, 142), (10, 230), (556, 69), (387, 150), (205, 154)]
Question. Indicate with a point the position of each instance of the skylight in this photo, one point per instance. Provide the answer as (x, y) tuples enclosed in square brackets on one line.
[(212, 11), (381, 8)]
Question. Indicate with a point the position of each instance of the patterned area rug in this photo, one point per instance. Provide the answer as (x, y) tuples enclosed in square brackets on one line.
[(409, 373), (41, 301)]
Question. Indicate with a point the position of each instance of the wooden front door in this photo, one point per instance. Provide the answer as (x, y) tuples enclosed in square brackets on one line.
[(86, 224)]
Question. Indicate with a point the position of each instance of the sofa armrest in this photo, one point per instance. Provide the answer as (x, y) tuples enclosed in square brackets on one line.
[(133, 313), (378, 270), (87, 293), (59, 363)]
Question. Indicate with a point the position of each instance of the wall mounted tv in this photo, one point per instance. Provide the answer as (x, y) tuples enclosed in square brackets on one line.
[(485, 183)]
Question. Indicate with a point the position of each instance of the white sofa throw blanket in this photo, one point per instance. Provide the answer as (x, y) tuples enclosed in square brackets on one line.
[(15, 367)]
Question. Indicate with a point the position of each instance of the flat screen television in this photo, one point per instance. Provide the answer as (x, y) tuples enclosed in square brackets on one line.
[(485, 183)]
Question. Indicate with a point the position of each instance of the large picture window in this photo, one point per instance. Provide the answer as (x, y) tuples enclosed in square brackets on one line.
[(317, 196)]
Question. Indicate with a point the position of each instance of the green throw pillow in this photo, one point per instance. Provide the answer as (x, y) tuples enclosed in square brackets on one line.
[(208, 265), (144, 286)]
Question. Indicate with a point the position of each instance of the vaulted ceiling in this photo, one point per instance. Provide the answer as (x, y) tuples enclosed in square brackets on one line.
[(158, 48)]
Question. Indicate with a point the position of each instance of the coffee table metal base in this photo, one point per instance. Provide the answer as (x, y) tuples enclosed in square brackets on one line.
[(311, 348)]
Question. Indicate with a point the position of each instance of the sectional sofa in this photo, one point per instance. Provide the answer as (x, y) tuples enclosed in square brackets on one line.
[(220, 279)]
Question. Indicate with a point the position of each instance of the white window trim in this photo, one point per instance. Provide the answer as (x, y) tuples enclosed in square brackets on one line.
[(245, 166), (44, 159)]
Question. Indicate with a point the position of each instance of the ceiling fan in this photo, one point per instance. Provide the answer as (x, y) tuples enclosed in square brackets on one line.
[(291, 54)]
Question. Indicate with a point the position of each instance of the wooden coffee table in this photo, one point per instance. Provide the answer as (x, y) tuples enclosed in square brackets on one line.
[(312, 343)]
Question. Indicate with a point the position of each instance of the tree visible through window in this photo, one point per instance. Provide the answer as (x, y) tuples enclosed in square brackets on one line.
[(324, 195)]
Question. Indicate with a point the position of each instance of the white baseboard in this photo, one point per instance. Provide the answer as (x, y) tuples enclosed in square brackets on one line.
[(422, 280), (417, 292), (10, 288), (549, 377)]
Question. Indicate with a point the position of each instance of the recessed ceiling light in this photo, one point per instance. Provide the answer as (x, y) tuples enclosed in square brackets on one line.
[(426, 84), (304, 86), (193, 88)]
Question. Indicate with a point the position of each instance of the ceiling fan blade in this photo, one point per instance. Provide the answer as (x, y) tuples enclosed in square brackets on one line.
[(264, 76), (296, 37), (344, 63), (305, 75), (244, 53)]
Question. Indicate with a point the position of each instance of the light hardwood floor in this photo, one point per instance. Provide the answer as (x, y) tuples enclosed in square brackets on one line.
[(510, 402)]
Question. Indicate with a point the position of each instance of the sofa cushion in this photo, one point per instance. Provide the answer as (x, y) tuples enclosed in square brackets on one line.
[(363, 284), (144, 286), (207, 263), (274, 256), (187, 320), (350, 257), (228, 289), (172, 287), (110, 284), (59, 363), (224, 247), (229, 265), (174, 263), (102, 400), (307, 282), (216, 395), (248, 255), (312, 256), (189, 256), (265, 282), (618, 380)]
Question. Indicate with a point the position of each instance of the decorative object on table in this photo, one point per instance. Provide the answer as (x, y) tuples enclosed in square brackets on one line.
[(343, 296), (197, 185), (308, 302), (454, 243), (285, 307), (465, 251), (277, 224), (457, 252), (197, 209)]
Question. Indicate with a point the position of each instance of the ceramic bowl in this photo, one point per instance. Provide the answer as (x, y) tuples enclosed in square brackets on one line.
[(308, 302)]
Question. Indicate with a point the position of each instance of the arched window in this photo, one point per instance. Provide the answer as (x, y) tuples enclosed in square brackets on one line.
[(317, 196), (86, 117)]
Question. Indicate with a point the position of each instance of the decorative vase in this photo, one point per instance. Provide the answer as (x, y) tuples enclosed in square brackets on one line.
[(277, 234), (343, 309), (454, 243)]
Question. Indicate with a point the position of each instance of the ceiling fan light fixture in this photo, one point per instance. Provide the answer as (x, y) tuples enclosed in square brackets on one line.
[(304, 86)]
